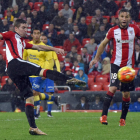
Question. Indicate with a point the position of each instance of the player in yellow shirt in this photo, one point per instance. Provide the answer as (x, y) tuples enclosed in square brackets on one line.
[(44, 59), (51, 59)]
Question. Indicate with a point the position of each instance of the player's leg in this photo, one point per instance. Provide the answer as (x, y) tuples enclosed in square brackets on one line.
[(114, 83), (49, 105)]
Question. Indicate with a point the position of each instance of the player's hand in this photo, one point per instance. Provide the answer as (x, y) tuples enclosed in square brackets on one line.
[(94, 61), (59, 51)]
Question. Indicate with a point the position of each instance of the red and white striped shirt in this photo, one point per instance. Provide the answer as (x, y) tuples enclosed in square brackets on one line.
[(28, 30), (75, 70), (123, 44), (15, 45)]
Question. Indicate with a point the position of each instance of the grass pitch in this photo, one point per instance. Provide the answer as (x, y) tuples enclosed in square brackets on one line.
[(70, 126)]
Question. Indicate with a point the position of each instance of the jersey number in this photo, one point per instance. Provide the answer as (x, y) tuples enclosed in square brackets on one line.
[(113, 75)]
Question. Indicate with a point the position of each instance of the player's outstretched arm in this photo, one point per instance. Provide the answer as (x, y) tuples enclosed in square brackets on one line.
[(46, 48), (99, 52)]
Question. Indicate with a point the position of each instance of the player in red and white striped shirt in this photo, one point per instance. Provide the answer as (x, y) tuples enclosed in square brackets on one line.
[(123, 37), (19, 70)]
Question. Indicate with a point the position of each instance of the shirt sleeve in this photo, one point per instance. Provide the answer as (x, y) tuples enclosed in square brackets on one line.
[(28, 45), (7, 35), (109, 34)]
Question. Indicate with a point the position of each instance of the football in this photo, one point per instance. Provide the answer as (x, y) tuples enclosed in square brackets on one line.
[(126, 74)]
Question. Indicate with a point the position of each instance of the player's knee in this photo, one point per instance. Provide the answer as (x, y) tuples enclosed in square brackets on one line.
[(126, 94), (112, 89), (30, 100), (35, 93)]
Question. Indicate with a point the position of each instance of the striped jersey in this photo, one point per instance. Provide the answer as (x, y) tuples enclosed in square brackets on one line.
[(123, 44), (15, 45)]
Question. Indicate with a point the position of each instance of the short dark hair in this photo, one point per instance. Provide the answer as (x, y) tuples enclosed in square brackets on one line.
[(18, 22), (36, 28), (123, 10), (43, 35)]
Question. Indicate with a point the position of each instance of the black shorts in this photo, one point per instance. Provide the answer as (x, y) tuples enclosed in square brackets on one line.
[(114, 81), (19, 71)]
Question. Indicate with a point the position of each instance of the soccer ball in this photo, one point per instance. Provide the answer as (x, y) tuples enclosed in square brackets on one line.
[(126, 74)]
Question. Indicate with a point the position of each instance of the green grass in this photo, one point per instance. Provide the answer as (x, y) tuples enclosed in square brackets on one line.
[(70, 126)]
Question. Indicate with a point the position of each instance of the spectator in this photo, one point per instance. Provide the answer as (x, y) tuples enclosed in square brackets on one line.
[(2, 66), (53, 12), (82, 76), (68, 64), (51, 34), (68, 72), (80, 13), (36, 21), (136, 106), (134, 13), (48, 6), (45, 40), (137, 55), (91, 46), (78, 3), (113, 21), (80, 61), (42, 14), (83, 105), (29, 27), (75, 68), (83, 27), (97, 104), (22, 16), (92, 27), (86, 59), (106, 24), (77, 33), (68, 27), (9, 86), (109, 7), (117, 21), (90, 6), (59, 21), (24, 5), (100, 34), (5, 26), (16, 12), (28, 12), (98, 16), (71, 41), (67, 12), (9, 17), (61, 38), (62, 67), (1, 10), (11, 28), (72, 54), (106, 66), (137, 79)]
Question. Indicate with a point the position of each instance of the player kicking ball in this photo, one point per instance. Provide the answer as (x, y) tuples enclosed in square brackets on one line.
[(123, 36), (19, 70)]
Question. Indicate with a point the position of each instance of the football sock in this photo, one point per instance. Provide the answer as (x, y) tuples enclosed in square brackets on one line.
[(50, 104), (45, 96), (29, 110), (125, 107), (107, 101), (55, 75), (36, 105)]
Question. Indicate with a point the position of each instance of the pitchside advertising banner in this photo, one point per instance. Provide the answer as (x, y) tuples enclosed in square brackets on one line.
[(69, 100)]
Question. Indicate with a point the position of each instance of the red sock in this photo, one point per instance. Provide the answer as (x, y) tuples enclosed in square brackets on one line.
[(110, 93), (44, 73), (126, 99)]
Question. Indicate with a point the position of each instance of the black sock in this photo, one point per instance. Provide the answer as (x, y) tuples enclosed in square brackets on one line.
[(29, 110), (55, 75), (125, 107), (107, 101)]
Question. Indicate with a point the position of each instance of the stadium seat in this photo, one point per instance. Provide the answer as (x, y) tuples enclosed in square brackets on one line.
[(106, 86), (108, 18), (118, 3), (96, 87), (137, 89), (122, 3), (136, 70), (58, 47), (102, 78), (3, 52), (37, 5), (88, 19), (85, 41), (73, 10), (45, 26), (31, 5), (90, 79), (60, 5), (95, 73)]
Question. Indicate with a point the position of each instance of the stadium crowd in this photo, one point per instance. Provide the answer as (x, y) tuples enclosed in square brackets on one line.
[(77, 26)]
